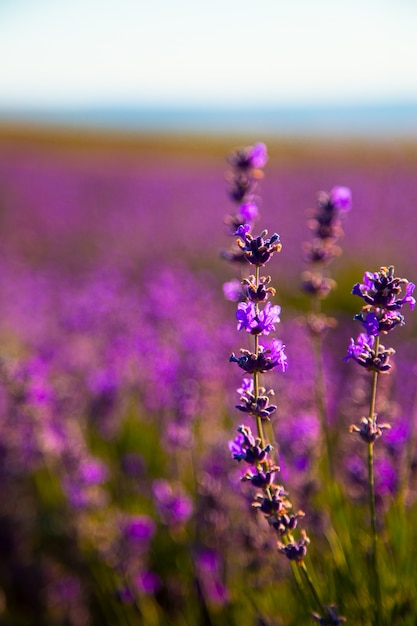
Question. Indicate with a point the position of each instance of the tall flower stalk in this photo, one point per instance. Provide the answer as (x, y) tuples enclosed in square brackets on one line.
[(383, 297), (258, 317), (325, 223)]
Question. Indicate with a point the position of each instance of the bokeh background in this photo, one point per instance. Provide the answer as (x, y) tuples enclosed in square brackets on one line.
[(119, 502)]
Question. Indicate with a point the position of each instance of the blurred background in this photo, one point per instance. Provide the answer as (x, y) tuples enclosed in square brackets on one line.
[(117, 398), (280, 68)]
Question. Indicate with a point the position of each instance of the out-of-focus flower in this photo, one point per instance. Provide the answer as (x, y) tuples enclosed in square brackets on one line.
[(341, 198), (209, 568), (233, 290), (147, 582), (296, 550), (249, 211), (139, 529), (251, 157), (174, 506)]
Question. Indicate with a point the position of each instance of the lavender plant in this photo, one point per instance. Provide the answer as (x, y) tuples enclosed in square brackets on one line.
[(258, 317), (326, 225), (383, 297)]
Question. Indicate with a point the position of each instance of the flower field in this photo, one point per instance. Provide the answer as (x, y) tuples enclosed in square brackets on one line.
[(129, 497)]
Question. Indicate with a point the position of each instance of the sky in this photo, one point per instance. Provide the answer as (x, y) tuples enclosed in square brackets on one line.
[(206, 52)]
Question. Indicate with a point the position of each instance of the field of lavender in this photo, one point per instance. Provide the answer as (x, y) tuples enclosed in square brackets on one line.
[(145, 415)]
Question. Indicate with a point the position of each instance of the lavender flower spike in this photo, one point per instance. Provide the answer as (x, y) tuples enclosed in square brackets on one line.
[(382, 289)]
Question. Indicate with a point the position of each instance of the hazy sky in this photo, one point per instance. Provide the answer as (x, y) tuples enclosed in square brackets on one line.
[(206, 51)]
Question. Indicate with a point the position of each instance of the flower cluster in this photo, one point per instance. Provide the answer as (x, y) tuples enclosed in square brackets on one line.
[(258, 316), (246, 170), (325, 222), (383, 295)]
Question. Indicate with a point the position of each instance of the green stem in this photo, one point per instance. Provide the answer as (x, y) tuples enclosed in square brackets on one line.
[(320, 392), (259, 425), (312, 588), (372, 510)]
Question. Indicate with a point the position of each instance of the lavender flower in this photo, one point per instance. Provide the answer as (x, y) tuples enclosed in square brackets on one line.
[(173, 505), (341, 198), (251, 157), (249, 211), (296, 550), (258, 406), (139, 529), (259, 250), (248, 448), (233, 290), (382, 290), (363, 352), (369, 430), (267, 359), (257, 322)]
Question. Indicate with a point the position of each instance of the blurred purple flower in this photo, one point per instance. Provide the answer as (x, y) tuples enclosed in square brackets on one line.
[(341, 198), (249, 211), (209, 568), (233, 290), (139, 529), (147, 582), (250, 157), (174, 506), (93, 472)]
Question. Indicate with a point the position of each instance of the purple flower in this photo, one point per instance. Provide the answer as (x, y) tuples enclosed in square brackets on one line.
[(258, 155), (174, 506), (139, 529), (364, 354), (381, 323), (256, 324), (259, 250), (247, 386), (276, 355), (147, 582), (408, 297), (246, 448), (295, 551), (233, 290), (93, 472), (249, 211), (246, 316), (242, 230), (341, 198), (396, 438), (268, 358), (209, 568), (251, 157), (371, 324), (382, 290), (236, 446)]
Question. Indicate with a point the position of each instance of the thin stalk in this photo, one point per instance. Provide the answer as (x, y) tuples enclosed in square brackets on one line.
[(259, 425), (406, 469), (319, 388), (372, 510), (312, 588)]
